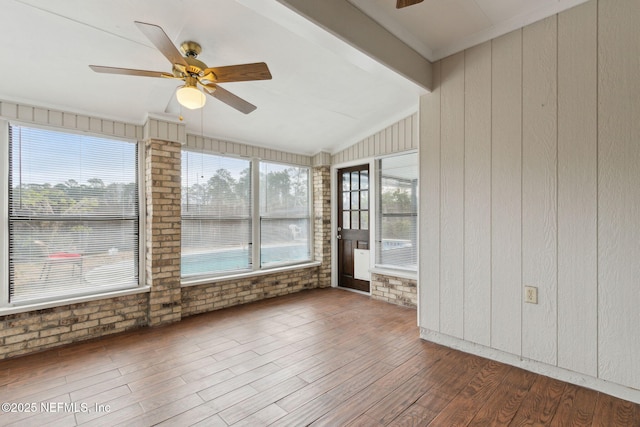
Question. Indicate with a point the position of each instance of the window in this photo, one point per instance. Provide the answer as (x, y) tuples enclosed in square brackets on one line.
[(284, 214), (223, 216), (73, 215), (397, 212), (216, 214)]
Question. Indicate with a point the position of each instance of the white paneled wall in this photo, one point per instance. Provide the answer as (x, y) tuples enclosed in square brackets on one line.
[(578, 190), (452, 196), (429, 217), (477, 190), (539, 184), (400, 136), (506, 193), (619, 191), (244, 150), (69, 121), (530, 175)]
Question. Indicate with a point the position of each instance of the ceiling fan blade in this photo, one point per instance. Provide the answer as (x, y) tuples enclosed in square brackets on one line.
[(229, 98), (404, 3), (130, 71), (239, 73), (159, 38)]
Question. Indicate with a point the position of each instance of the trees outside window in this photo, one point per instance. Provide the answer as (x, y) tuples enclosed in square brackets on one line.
[(218, 224), (284, 214), (397, 212), (73, 214)]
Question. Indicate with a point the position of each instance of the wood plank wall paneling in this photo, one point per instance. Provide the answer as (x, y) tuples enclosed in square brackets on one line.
[(429, 153), (398, 137), (539, 184), (619, 191), (477, 190), (563, 196), (238, 149), (71, 121), (577, 189), (452, 196), (506, 192)]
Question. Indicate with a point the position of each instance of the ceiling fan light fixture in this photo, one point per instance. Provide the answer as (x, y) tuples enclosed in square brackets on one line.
[(190, 97)]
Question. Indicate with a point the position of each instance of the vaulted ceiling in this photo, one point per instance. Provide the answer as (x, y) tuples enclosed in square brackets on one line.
[(327, 92)]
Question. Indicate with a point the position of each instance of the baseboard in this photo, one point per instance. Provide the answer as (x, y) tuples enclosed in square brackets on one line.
[(561, 374)]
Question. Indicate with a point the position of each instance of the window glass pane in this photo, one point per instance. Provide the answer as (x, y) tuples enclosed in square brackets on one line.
[(364, 220), (284, 241), (355, 181), (215, 186), (355, 199), (73, 215), (346, 200), (346, 220), (284, 190), (214, 246), (355, 220), (346, 181), (397, 212), (364, 199), (284, 214), (364, 180), (216, 214)]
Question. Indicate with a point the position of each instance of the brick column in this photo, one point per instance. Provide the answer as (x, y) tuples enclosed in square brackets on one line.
[(322, 222), (163, 232)]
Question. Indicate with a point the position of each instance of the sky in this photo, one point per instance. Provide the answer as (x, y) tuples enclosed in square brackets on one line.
[(52, 157)]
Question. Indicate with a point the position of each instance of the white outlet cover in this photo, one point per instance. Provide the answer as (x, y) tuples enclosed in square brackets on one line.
[(531, 294)]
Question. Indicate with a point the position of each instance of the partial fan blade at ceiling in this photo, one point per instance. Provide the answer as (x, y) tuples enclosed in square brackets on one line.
[(229, 98), (130, 72), (404, 3), (240, 73), (162, 42)]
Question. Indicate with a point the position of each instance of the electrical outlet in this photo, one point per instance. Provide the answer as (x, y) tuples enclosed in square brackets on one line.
[(531, 294)]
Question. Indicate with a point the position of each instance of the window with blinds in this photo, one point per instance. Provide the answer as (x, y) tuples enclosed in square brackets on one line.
[(216, 214), (397, 212), (284, 214), (73, 215)]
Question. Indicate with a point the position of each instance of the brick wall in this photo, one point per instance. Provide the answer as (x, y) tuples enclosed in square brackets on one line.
[(166, 302), (214, 296), (32, 331), (163, 231), (322, 223), (395, 290)]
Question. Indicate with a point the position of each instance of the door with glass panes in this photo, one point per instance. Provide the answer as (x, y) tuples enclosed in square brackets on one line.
[(353, 223)]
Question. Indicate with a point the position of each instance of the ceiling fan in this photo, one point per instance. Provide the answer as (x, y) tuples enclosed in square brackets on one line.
[(194, 72), (404, 3)]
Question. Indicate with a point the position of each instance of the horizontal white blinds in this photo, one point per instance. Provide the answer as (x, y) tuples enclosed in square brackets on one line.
[(216, 214), (284, 214), (73, 214), (397, 212)]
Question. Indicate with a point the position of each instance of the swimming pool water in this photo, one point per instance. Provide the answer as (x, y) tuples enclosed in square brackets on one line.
[(238, 259)]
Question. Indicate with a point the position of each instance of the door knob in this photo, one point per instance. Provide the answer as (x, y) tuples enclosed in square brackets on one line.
[(339, 237)]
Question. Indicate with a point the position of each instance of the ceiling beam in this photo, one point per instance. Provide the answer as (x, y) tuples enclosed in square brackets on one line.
[(348, 23)]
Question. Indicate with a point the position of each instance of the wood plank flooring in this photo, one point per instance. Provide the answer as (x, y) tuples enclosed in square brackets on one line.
[(323, 358)]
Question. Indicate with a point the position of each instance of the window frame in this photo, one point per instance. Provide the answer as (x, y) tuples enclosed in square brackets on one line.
[(379, 216), (250, 218), (255, 220), (5, 304), (309, 218)]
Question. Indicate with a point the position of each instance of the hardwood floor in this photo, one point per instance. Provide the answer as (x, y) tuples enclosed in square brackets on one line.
[(323, 357)]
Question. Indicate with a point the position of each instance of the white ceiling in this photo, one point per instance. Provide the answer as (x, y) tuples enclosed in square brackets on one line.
[(324, 95), (439, 28)]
